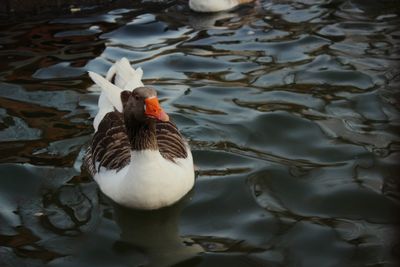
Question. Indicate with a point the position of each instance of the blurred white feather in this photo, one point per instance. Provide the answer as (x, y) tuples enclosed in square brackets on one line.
[(121, 76)]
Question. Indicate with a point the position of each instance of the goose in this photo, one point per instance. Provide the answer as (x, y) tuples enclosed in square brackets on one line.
[(137, 155), (215, 5)]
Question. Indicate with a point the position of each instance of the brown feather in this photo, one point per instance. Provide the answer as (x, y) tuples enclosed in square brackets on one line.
[(111, 148)]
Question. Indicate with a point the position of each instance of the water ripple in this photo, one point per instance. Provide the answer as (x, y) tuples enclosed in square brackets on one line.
[(291, 109)]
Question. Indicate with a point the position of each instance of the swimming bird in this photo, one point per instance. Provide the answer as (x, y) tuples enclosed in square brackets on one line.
[(137, 155), (215, 5)]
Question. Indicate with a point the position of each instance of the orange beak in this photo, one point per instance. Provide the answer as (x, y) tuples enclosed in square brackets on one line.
[(154, 110)]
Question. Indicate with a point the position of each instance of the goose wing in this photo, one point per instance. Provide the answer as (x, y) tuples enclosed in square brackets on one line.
[(110, 146), (170, 142)]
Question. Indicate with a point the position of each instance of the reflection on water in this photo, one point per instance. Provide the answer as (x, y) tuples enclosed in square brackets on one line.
[(152, 238), (290, 108)]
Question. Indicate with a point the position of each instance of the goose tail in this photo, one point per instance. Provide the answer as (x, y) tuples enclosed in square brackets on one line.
[(124, 76), (121, 76)]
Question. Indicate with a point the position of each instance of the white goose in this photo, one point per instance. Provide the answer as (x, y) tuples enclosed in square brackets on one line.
[(137, 155), (215, 5)]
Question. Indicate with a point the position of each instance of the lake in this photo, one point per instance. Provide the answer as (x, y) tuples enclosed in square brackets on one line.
[(290, 107)]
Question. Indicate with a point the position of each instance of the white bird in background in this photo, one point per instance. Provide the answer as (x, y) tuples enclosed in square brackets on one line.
[(215, 5), (137, 155)]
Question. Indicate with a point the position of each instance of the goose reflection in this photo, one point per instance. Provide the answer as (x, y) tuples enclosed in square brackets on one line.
[(152, 237), (245, 15), (209, 20)]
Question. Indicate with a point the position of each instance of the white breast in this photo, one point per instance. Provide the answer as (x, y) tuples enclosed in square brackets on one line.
[(149, 182)]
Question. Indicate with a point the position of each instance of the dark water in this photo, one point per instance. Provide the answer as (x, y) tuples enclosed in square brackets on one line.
[(290, 108)]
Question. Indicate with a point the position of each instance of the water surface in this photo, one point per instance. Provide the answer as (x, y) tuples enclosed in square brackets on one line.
[(290, 108)]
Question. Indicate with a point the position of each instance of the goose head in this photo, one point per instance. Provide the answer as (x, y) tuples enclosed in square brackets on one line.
[(137, 105), (142, 104)]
